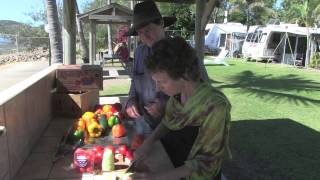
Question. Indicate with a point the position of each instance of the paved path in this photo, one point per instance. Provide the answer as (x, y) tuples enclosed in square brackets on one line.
[(11, 74)]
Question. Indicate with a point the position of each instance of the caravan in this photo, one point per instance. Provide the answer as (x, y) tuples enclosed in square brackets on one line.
[(284, 43), (228, 36)]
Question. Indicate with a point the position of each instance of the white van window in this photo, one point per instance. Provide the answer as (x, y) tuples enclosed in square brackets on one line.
[(274, 40), (257, 36), (249, 37), (206, 31), (263, 38), (222, 40)]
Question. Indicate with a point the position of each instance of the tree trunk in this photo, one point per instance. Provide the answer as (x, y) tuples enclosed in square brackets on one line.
[(54, 32), (248, 16), (203, 11), (83, 44), (69, 32)]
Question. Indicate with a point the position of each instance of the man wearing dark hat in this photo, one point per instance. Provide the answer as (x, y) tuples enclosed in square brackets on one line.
[(144, 100)]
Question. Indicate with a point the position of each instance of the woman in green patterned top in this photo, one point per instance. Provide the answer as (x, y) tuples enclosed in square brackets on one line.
[(174, 68)]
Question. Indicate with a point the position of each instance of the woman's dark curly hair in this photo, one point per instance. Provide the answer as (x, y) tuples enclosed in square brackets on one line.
[(174, 56)]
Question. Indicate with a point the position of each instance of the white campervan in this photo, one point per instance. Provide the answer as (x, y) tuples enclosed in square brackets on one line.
[(229, 36), (283, 43)]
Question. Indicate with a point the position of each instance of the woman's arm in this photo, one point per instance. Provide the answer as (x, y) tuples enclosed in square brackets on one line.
[(145, 148)]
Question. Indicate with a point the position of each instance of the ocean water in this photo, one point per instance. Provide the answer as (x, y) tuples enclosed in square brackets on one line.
[(4, 40), (5, 44)]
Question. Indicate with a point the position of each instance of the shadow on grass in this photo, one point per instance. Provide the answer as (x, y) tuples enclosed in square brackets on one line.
[(279, 89), (273, 149)]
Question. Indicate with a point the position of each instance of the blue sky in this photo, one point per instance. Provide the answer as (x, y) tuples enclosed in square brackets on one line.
[(16, 9)]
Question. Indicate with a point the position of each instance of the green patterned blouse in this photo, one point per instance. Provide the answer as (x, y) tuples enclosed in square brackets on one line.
[(209, 109)]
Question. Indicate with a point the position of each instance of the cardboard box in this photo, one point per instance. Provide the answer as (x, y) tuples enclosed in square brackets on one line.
[(74, 105), (78, 78)]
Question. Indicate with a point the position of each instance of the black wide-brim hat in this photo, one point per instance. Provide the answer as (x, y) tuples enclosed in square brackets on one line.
[(146, 12)]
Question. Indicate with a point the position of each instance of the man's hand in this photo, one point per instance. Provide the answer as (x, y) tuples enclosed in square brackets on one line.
[(155, 109), (132, 110)]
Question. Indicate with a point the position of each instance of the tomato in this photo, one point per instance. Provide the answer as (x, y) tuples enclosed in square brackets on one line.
[(113, 110), (118, 130), (137, 141), (123, 149), (89, 170), (117, 106), (96, 149), (129, 155), (82, 170)]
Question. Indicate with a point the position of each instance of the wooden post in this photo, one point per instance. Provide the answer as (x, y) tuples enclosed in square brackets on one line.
[(129, 42), (134, 39), (69, 32), (17, 41), (110, 51), (92, 42)]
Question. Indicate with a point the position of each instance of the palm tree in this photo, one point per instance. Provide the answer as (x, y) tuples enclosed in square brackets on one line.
[(54, 31), (306, 13), (83, 44)]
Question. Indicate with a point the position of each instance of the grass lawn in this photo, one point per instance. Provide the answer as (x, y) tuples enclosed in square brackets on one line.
[(276, 126), (115, 87), (275, 120)]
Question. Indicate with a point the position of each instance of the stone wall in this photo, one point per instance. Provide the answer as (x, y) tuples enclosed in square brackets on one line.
[(38, 54)]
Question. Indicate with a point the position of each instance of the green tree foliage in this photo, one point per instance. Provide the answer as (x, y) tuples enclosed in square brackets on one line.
[(303, 12), (251, 12), (40, 17), (27, 36), (185, 15)]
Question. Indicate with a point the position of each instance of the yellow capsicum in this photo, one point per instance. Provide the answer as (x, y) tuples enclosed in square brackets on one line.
[(95, 129)]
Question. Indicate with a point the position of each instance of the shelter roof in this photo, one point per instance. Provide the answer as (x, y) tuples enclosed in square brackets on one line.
[(112, 13), (289, 28), (229, 27), (314, 31)]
